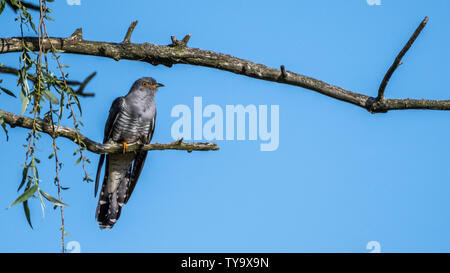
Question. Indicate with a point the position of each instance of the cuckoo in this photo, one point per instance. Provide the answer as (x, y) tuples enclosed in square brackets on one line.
[(131, 120)]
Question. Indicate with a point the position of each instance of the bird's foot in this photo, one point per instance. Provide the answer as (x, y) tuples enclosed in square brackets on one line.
[(125, 146)]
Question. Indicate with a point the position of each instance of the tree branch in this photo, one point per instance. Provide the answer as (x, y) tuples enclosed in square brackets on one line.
[(179, 53), (178, 43), (398, 59), (30, 6), (61, 131), (127, 38), (79, 92)]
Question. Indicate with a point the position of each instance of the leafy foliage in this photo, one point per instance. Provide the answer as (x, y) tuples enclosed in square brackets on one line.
[(25, 196), (40, 88)]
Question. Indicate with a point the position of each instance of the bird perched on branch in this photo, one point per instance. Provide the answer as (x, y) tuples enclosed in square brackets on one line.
[(131, 120)]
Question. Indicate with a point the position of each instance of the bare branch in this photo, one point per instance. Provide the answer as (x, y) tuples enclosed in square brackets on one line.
[(77, 35), (283, 72), (186, 39), (80, 91), (180, 43), (176, 54), (398, 59), (61, 131), (127, 38)]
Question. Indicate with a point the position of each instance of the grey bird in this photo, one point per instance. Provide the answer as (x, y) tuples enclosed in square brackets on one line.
[(131, 120)]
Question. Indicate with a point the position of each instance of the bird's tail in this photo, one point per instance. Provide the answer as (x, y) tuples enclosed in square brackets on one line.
[(110, 204)]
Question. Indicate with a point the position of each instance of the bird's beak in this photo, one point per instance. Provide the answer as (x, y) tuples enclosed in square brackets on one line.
[(159, 85)]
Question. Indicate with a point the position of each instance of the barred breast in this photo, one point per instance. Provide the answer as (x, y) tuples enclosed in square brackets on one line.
[(129, 127)]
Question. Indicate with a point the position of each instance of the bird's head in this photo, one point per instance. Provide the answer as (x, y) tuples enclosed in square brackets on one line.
[(148, 84)]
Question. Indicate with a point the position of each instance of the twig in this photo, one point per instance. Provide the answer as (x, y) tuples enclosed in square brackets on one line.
[(61, 131), (283, 72), (180, 43), (80, 92), (42, 11), (127, 37), (398, 59), (77, 35)]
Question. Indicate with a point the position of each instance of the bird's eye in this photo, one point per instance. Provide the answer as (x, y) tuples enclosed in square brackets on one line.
[(144, 83)]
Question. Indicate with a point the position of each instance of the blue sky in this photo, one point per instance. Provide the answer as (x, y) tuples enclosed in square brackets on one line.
[(341, 176)]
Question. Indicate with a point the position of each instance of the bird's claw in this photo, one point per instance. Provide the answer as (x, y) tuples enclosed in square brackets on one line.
[(125, 146)]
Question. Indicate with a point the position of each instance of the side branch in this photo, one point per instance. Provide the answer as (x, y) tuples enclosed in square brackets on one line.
[(127, 37), (398, 59), (179, 53), (61, 131)]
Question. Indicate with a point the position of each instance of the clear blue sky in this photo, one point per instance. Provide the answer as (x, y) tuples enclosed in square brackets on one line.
[(341, 176)]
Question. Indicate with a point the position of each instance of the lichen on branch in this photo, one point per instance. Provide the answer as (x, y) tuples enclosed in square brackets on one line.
[(61, 131), (179, 53)]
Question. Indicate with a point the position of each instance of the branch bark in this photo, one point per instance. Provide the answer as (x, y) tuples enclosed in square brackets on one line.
[(61, 131), (398, 59), (179, 53), (127, 37)]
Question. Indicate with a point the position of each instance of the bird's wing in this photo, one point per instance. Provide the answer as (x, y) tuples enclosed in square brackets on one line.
[(139, 160), (99, 170), (116, 107)]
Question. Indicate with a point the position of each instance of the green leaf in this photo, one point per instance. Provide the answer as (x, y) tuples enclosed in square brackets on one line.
[(24, 176), (77, 101), (24, 196), (14, 3), (50, 96), (8, 92), (25, 102), (78, 160), (24, 96), (2, 6), (26, 209), (52, 199), (42, 204)]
